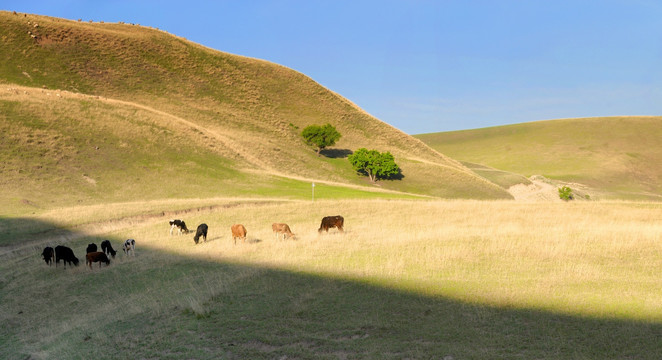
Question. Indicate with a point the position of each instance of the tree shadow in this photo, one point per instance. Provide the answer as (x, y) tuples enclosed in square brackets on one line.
[(398, 176), (336, 153)]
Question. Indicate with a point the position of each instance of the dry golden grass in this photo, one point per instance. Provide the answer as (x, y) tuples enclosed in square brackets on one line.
[(590, 259), (588, 265)]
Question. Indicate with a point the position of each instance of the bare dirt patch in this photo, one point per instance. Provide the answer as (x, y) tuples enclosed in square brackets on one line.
[(540, 189), (89, 180), (543, 189)]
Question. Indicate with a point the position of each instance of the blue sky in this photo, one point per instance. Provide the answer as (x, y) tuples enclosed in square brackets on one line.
[(428, 66)]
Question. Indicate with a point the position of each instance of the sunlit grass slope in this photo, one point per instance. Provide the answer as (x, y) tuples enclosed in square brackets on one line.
[(619, 155), (61, 149), (407, 279), (174, 108)]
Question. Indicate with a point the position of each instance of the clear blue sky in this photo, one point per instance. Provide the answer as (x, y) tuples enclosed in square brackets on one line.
[(428, 66)]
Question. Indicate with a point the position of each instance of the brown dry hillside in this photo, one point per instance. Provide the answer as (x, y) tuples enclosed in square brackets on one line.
[(247, 112)]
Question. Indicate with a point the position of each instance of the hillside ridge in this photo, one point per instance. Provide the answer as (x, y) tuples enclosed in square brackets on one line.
[(248, 112)]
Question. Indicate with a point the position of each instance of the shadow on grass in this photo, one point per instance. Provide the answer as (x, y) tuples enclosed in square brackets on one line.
[(282, 314), (15, 231), (398, 176), (271, 313), (336, 153)]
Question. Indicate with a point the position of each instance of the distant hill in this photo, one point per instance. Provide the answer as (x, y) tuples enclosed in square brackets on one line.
[(101, 111), (618, 157)]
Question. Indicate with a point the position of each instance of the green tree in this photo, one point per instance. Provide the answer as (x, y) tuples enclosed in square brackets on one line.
[(320, 136), (565, 193), (374, 164)]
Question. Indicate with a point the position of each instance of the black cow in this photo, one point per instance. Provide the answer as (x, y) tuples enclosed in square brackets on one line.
[(331, 222), (107, 248), (96, 256), (49, 255), (91, 248), (66, 254), (201, 231), (179, 224)]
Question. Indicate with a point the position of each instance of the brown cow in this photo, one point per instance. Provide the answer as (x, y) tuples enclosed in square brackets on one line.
[(238, 231), (331, 222), (279, 228), (96, 256)]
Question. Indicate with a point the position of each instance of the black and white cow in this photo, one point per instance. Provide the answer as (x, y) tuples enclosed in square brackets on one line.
[(180, 225), (107, 248), (66, 255), (129, 247)]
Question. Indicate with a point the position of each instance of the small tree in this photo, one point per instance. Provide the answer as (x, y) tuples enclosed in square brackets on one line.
[(374, 164), (320, 136), (565, 193)]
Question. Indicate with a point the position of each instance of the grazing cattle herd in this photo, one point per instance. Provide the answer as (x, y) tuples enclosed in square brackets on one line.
[(67, 256)]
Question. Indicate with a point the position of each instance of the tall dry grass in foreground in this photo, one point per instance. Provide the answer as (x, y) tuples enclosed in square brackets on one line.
[(407, 279), (593, 259)]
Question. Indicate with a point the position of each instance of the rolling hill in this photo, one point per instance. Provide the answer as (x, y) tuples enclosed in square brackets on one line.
[(116, 112), (616, 157)]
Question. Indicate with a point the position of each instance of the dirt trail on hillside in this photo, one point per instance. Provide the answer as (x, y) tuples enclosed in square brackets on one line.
[(225, 140), (221, 138)]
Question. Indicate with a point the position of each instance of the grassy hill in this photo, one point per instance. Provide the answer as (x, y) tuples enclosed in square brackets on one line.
[(618, 157), (100, 111)]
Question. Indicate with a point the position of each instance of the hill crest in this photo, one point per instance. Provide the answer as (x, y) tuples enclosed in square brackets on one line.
[(248, 112)]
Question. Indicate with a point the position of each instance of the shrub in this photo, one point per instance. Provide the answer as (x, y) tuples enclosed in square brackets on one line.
[(565, 193)]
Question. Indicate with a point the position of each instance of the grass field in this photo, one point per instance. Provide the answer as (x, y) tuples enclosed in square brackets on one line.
[(618, 156), (113, 129), (407, 279)]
